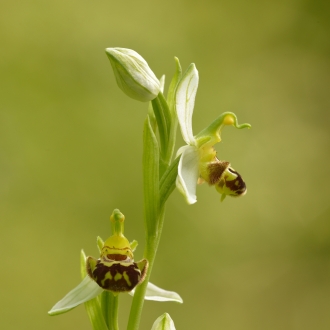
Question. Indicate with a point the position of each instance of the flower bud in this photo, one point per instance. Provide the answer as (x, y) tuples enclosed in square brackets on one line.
[(133, 75)]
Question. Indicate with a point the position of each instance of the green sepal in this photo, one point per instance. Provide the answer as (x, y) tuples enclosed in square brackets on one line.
[(150, 177), (164, 322), (211, 134)]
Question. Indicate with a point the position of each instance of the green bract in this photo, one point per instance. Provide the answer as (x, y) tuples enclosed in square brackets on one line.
[(133, 75), (163, 322), (198, 157)]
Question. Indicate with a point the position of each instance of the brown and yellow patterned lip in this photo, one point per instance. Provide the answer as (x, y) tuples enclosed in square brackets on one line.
[(215, 170), (237, 186), (117, 276)]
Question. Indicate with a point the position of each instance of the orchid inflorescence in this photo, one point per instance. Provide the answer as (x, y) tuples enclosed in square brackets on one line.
[(115, 271)]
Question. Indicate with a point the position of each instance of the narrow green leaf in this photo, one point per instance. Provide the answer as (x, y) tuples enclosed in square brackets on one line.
[(173, 85), (166, 111), (164, 322), (151, 113), (152, 118), (167, 182), (163, 118), (150, 177), (155, 293)]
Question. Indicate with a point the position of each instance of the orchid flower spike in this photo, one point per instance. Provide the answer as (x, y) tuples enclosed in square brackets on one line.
[(198, 162)]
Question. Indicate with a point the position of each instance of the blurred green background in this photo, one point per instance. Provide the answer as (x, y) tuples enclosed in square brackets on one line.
[(71, 143)]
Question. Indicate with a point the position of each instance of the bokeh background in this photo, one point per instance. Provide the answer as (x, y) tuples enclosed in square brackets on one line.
[(71, 142)]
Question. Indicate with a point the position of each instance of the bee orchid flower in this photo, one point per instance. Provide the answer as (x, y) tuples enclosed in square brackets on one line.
[(115, 271), (198, 162)]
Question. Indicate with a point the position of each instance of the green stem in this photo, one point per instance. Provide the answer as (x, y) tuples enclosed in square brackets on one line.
[(138, 299), (114, 312), (154, 185), (109, 303)]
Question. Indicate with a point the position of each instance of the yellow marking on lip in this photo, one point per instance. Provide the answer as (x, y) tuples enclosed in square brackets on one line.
[(107, 276), (118, 276), (126, 277)]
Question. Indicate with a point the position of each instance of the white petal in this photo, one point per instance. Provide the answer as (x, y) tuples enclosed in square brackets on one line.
[(181, 150), (157, 294), (188, 173), (86, 290), (163, 322), (185, 101)]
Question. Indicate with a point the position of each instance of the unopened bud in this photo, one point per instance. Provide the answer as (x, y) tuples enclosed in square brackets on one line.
[(133, 75)]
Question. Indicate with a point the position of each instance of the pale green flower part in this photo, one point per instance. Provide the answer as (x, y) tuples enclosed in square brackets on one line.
[(198, 160), (88, 289), (133, 74), (155, 293), (163, 322)]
